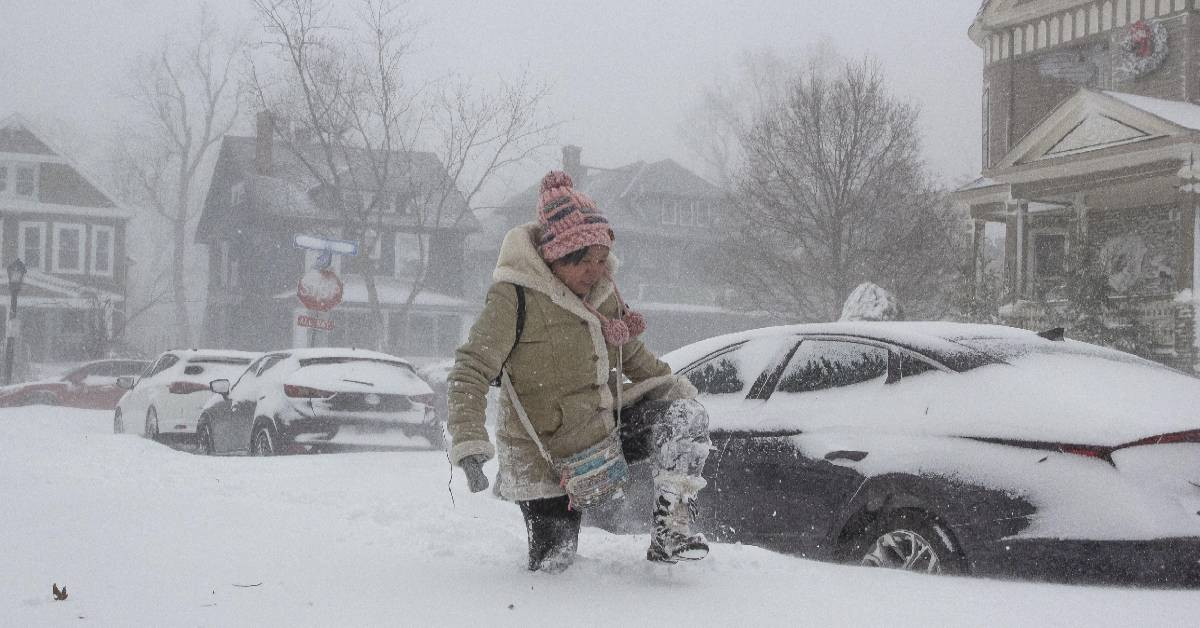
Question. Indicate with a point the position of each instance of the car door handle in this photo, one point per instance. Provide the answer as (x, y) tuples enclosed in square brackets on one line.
[(841, 454)]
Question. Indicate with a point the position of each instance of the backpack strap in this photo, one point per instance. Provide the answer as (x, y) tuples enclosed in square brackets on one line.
[(520, 328)]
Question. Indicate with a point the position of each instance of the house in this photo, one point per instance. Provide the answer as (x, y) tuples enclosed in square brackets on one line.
[(70, 234), (1090, 138), (262, 196), (666, 220)]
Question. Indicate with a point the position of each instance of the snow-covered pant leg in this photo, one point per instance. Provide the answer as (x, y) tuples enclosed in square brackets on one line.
[(673, 435), (553, 532)]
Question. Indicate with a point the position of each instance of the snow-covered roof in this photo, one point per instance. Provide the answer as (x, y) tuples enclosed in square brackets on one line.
[(309, 353), (934, 336), (980, 183), (1179, 112)]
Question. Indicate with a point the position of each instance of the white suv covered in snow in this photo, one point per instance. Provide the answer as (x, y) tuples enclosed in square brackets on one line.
[(320, 399), (165, 400)]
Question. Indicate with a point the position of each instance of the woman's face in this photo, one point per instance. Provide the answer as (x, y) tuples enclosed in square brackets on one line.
[(579, 278)]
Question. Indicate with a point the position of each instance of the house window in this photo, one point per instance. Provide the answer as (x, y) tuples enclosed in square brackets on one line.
[(102, 251), (668, 212), (410, 255), (686, 212), (3, 178), (403, 204), (237, 193), (1049, 254), (31, 245), (25, 181), (68, 248), (376, 241)]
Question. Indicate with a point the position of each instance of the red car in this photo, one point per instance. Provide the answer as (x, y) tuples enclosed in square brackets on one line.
[(92, 385)]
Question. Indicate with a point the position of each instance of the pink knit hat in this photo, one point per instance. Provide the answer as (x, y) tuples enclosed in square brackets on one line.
[(569, 219)]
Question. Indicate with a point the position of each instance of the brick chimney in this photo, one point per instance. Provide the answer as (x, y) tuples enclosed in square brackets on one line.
[(264, 141), (571, 164)]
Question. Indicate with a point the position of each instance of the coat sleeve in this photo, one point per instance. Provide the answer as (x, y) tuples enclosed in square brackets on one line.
[(477, 362)]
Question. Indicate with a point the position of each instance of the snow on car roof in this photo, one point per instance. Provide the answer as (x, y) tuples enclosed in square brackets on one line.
[(195, 355), (936, 337), (341, 352)]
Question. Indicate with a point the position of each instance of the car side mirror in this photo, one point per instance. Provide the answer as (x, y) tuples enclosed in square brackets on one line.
[(125, 381), (219, 386)]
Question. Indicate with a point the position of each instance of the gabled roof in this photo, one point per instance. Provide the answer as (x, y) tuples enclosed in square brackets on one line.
[(290, 189), (1091, 121), (60, 180), (616, 192)]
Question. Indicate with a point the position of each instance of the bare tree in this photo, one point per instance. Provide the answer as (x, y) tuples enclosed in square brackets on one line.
[(185, 97), (386, 149), (833, 192)]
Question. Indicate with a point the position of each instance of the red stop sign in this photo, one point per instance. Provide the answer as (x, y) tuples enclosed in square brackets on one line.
[(319, 290)]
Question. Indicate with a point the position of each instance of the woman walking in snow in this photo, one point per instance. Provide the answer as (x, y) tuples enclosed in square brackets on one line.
[(555, 323)]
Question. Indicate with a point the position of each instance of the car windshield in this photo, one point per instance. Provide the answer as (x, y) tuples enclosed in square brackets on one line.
[(220, 360)]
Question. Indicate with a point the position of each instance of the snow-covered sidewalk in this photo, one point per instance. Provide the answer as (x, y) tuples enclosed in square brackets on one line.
[(141, 535)]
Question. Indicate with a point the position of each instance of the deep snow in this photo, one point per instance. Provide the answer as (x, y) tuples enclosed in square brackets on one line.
[(141, 534)]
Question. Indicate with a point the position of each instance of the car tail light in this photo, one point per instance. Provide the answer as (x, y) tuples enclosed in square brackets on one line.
[(186, 388), (425, 399), (305, 392), (1190, 436)]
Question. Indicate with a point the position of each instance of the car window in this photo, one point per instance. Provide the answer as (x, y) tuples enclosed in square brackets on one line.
[(268, 362), (911, 365), (163, 363), (733, 371), (821, 364)]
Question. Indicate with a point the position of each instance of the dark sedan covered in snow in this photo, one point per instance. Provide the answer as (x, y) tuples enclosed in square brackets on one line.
[(320, 399), (947, 448)]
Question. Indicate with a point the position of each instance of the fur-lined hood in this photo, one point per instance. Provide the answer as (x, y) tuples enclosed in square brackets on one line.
[(519, 263)]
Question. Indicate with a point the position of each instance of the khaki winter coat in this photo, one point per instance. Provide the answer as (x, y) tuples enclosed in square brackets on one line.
[(561, 370)]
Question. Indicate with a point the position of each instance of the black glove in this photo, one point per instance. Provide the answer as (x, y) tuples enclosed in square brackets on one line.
[(473, 467)]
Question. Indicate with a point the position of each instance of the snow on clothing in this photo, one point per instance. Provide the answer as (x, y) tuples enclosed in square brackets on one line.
[(561, 371)]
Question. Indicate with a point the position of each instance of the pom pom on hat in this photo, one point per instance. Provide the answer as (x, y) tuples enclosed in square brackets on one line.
[(569, 218)]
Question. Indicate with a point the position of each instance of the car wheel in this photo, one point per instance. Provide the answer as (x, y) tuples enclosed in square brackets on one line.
[(152, 424), (204, 440), (909, 540), (118, 423), (263, 441)]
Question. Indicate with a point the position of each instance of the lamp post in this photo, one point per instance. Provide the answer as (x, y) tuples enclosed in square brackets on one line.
[(16, 276)]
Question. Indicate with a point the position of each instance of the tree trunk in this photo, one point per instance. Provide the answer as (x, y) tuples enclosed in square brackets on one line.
[(183, 327)]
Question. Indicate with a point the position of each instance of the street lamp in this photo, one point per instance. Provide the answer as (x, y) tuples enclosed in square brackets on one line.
[(16, 277)]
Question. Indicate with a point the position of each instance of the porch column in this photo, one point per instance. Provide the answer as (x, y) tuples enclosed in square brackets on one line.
[(1022, 210), (977, 234)]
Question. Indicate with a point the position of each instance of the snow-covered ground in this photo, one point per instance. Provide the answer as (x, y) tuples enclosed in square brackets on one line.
[(144, 535)]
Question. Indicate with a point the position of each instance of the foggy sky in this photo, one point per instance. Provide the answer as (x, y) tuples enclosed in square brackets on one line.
[(624, 72)]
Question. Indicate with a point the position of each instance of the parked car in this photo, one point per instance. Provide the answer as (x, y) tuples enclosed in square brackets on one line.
[(164, 402), (947, 448), (91, 385), (320, 399)]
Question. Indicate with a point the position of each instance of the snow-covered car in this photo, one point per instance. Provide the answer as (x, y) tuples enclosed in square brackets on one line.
[(164, 402), (941, 447), (320, 399), (91, 385)]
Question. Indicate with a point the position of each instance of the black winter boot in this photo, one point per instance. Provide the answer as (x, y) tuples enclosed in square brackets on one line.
[(553, 531)]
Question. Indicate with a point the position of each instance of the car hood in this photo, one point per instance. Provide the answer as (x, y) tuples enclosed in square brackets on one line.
[(365, 377), (1051, 398)]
